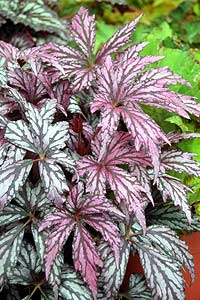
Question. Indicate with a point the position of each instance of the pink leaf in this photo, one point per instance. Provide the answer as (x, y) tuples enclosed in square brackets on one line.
[(86, 259)]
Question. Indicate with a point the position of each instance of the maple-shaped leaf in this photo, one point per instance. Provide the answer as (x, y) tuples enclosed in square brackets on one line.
[(173, 189), (81, 64), (100, 171), (81, 210), (46, 140), (170, 216), (114, 98), (180, 162), (112, 276)]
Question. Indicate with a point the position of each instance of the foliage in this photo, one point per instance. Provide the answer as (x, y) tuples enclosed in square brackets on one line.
[(84, 170)]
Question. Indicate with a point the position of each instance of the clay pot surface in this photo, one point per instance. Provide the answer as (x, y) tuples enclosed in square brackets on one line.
[(193, 241), (192, 290)]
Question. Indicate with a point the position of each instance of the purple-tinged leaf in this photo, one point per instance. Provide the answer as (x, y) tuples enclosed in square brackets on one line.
[(117, 41), (8, 51), (173, 189), (131, 53), (22, 40), (83, 31), (12, 178), (174, 137), (29, 85), (108, 230), (10, 243), (124, 185), (64, 225), (180, 162), (114, 98), (72, 286), (62, 93), (151, 89), (86, 259)]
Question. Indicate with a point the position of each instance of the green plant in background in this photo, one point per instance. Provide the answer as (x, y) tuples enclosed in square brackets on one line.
[(172, 28)]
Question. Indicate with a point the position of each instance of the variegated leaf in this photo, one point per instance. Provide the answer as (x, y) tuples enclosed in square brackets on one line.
[(163, 274), (138, 289), (73, 287), (29, 85), (9, 52), (86, 258), (39, 241), (83, 31), (167, 242), (34, 14), (11, 214), (28, 264), (12, 178), (3, 72), (58, 236), (173, 189), (112, 276), (53, 179), (18, 133), (180, 162), (118, 40), (174, 137), (170, 216), (10, 242)]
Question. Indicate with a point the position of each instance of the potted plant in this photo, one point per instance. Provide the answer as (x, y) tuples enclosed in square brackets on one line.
[(84, 171)]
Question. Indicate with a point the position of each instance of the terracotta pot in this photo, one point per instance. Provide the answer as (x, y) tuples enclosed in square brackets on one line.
[(192, 290), (193, 241)]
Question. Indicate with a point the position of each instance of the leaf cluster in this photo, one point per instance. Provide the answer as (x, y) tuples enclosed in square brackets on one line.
[(84, 170)]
